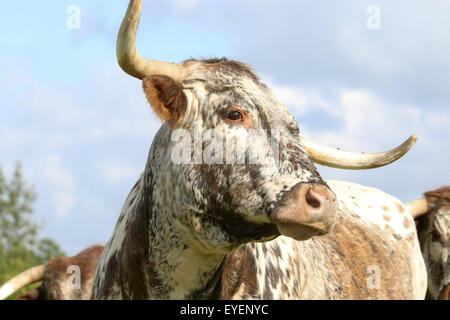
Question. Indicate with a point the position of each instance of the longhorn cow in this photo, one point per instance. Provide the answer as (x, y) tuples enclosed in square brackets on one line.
[(432, 215), (198, 229)]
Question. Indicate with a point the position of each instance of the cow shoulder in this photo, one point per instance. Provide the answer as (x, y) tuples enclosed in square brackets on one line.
[(375, 207), (379, 220)]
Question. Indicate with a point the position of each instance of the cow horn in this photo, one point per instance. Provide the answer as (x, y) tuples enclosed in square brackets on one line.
[(418, 207), (355, 160), (22, 280), (127, 55)]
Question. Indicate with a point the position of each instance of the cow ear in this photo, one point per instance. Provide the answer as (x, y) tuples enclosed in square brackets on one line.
[(166, 97)]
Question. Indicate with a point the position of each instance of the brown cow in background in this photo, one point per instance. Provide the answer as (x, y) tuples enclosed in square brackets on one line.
[(55, 275), (433, 227)]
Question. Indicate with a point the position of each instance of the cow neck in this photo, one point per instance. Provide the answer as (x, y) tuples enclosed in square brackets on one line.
[(174, 269)]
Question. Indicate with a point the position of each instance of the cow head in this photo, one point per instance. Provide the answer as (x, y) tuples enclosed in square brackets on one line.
[(229, 160), (434, 236), (232, 156)]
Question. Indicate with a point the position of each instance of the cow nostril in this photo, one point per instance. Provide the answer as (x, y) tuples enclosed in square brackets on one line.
[(311, 200)]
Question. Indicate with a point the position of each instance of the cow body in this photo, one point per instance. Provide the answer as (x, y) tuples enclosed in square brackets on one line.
[(434, 235), (56, 277), (372, 253)]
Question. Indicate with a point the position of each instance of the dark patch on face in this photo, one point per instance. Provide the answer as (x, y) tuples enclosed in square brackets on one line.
[(301, 159), (238, 230), (223, 201), (265, 123), (291, 153)]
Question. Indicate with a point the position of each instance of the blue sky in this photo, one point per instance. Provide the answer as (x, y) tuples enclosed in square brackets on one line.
[(82, 128)]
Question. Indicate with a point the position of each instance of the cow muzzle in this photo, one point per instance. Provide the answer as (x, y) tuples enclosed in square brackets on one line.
[(306, 211)]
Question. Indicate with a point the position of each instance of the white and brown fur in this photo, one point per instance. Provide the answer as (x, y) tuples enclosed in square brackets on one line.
[(434, 236), (200, 231), (54, 282)]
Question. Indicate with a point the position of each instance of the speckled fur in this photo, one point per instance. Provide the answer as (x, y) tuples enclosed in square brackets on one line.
[(335, 266), (185, 228), (434, 236)]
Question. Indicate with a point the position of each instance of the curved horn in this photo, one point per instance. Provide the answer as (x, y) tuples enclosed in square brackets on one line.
[(22, 280), (355, 160), (418, 207), (127, 55)]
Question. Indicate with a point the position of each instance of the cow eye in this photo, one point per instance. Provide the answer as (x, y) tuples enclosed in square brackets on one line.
[(234, 115)]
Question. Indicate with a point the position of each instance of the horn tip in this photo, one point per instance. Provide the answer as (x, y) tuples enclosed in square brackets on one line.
[(6, 290), (409, 143)]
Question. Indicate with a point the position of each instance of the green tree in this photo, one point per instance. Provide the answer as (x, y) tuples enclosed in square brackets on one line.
[(20, 245), (17, 229)]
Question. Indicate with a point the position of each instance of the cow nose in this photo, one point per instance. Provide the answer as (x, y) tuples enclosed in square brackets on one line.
[(308, 209)]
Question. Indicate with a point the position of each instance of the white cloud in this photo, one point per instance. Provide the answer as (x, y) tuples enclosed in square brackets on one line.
[(116, 173), (13, 138), (183, 5), (62, 185), (299, 100), (366, 122), (63, 202), (59, 177)]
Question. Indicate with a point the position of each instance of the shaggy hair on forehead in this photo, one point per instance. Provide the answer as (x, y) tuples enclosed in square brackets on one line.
[(230, 65)]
